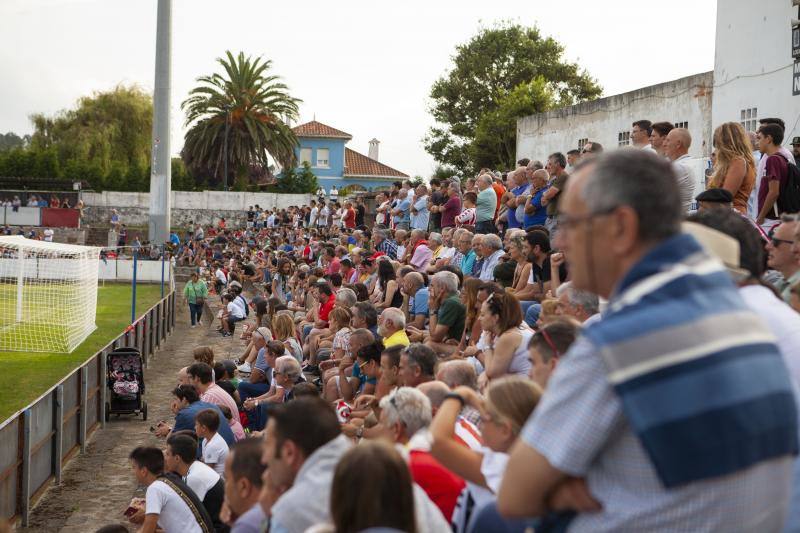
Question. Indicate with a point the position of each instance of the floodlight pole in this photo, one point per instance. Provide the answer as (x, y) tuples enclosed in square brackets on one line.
[(161, 171)]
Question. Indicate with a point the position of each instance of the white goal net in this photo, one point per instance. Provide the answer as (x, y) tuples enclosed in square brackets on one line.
[(48, 294)]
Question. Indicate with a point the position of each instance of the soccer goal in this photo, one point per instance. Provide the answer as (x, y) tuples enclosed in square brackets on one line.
[(48, 294)]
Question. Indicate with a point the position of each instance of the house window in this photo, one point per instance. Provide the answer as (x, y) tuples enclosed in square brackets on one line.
[(684, 125), (748, 118), (322, 157), (305, 155), (582, 142), (624, 138)]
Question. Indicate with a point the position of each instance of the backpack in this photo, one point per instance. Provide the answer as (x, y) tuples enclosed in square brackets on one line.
[(789, 195), (246, 307)]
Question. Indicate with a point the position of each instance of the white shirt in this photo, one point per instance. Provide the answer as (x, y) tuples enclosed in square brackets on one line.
[(323, 216), (235, 310), (271, 221), (380, 217), (685, 176), (214, 452), (220, 275), (314, 214), (48, 235), (781, 319), (487, 270), (649, 148), (201, 478), (174, 516)]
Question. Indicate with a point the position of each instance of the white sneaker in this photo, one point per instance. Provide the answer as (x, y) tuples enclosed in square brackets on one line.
[(245, 368)]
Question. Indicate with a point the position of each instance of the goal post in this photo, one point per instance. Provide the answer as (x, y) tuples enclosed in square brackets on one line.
[(48, 294)]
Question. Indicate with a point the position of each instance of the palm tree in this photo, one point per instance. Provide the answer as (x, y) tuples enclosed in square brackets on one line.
[(255, 104)]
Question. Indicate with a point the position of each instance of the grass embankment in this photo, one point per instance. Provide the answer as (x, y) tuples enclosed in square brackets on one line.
[(26, 375)]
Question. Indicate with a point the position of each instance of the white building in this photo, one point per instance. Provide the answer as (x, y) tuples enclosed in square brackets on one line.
[(752, 79)]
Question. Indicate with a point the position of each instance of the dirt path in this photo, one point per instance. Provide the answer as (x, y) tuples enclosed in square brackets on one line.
[(97, 486)]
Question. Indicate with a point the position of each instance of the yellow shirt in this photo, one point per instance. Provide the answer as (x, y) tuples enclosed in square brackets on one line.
[(396, 338)]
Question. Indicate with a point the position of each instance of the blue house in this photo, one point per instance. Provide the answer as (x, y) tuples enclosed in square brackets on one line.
[(323, 147)]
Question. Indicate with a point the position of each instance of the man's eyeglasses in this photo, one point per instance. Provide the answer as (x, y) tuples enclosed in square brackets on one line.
[(777, 242)]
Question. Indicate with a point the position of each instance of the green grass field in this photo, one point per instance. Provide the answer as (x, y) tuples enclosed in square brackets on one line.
[(26, 375)]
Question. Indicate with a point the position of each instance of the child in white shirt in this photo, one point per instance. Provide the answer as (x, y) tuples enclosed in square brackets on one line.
[(214, 448)]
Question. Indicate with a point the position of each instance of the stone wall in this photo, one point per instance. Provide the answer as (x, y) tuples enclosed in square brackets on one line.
[(205, 207)]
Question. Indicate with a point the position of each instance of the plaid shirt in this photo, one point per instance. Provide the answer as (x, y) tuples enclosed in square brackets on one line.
[(388, 247)]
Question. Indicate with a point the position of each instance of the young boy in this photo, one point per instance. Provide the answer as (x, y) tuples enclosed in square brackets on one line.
[(232, 314), (214, 448)]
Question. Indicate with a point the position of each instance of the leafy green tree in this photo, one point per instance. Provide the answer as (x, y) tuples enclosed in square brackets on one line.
[(291, 181), (181, 180), (444, 172), (11, 140), (105, 127), (495, 141), (485, 71), (255, 103)]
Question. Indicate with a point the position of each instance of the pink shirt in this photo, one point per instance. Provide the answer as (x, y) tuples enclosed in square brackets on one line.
[(217, 395), (236, 428), (421, 258)]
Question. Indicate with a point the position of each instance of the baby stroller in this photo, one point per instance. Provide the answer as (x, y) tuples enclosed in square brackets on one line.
[(125, 382)]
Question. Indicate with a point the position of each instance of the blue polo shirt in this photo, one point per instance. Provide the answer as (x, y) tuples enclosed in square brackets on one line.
[(512, 213), (185, 420), (419, 303)]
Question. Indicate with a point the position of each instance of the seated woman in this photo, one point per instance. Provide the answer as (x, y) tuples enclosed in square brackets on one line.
[(339, 344), (283, 330), (507, 351), (508, 403)]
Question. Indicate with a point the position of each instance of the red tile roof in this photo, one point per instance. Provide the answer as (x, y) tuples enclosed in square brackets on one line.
[(318, 129), (356, 164)]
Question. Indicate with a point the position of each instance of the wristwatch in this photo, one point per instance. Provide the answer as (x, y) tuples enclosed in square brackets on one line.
[(455, 396)]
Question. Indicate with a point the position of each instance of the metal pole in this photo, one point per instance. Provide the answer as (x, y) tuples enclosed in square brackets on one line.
[(133, 287), (163, 253), (225, 149), (20, 282), (161, 171)]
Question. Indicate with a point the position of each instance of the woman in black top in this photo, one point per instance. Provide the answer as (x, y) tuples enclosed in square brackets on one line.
[(387, 283)]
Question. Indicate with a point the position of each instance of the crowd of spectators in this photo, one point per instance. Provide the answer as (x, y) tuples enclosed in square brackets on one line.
[(566, 346)]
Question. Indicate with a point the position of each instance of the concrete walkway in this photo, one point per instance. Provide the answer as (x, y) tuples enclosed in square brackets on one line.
[(97, 486)]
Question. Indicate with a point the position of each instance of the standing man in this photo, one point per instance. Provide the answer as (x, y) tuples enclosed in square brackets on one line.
[(451, 207), (658, 134), (573, 156), (558, 182), (487, 205), (676, 148), (349, 218), (419, 209), (776, 174), (515, 215), (640, 135), (401, 214), (651, 349), (796, 148), (436, 199), (360, 211)]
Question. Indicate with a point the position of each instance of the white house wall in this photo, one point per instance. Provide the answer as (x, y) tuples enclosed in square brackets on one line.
[(683, 100), (753, 63)]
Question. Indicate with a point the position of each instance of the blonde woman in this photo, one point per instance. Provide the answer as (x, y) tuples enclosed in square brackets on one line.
[(522, 271), (283, 330), (734, 168), (508, 403)]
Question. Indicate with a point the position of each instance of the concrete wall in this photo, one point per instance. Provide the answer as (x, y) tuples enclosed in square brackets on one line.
[(684, 100), (205, 207), (753, 63)]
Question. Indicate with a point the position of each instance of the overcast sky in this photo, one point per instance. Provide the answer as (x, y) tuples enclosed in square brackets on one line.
[(364, 67)]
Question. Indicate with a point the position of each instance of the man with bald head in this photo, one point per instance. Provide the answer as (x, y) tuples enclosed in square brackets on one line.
[(414, 287), (676, 148)]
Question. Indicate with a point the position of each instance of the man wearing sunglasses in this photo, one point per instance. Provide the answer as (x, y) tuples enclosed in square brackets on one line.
[(780, 256)]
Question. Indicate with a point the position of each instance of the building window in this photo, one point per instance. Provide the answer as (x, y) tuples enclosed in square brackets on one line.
[(322, 157), (684, 125), (748, 118), (624, 138), (581, 143), (305, 155)]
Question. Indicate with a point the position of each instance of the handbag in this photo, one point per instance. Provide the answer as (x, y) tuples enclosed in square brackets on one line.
[(198, 300)]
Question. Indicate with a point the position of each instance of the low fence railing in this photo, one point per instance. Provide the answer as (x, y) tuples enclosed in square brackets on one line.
[(37, 441)]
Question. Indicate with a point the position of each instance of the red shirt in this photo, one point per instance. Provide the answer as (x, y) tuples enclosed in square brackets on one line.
[(334, 266), (325, 308), (450, 211), (349, 218), (441, 485), (499, 190)]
